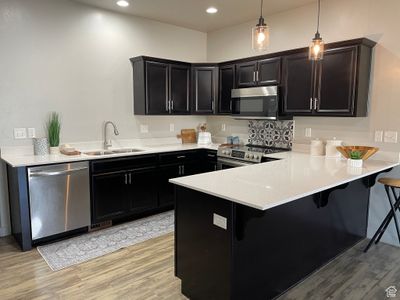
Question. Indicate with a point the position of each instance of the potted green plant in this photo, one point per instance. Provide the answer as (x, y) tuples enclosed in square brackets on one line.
[(53, 127), (355, 159)]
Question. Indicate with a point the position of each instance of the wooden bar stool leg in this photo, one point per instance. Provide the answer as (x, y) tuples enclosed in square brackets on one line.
[(396, 207), (396, 222)]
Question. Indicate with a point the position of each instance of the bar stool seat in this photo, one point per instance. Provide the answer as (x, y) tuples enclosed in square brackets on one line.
[(390, 184)]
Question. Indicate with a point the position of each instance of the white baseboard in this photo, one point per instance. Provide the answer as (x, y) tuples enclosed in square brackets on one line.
[(4, 231)]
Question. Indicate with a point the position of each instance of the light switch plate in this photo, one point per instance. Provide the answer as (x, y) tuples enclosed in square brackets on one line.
[(219, 221), (19, 133), (144, 128), (379, 136), (31, 133), (308, 132), (223, 127), (390, 137), (171, 127)]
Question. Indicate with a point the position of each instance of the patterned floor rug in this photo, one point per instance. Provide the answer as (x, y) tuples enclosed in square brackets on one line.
[(79, 249)]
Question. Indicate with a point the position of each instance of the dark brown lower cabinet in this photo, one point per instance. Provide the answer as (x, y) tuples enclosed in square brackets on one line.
[(131, 187)]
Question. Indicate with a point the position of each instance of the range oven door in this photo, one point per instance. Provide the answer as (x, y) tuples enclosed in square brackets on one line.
[(255, 103), (224, 163)]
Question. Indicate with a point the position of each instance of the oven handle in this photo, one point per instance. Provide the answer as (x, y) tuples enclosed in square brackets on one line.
[(231, 162)]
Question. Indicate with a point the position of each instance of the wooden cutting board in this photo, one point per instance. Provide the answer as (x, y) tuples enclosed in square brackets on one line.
[(188, 136)]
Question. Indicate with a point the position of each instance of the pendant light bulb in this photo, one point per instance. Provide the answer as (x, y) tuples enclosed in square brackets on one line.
[(316, 50), (260, 34)]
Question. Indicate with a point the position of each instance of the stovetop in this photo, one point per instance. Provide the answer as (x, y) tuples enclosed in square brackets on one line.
[(249, 153)]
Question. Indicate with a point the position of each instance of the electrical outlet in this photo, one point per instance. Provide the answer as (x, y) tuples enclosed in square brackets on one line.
[(223, 127), (390, 137), (172, 127), (219, 221), (308, 132), (31, 133), (19, 133), (144, 128), (379, 136)]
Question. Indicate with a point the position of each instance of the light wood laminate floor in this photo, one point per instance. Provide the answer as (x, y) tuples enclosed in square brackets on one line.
[(145, 271)]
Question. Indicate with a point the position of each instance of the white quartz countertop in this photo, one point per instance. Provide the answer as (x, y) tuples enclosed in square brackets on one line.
[(266, 185), (23, 160)]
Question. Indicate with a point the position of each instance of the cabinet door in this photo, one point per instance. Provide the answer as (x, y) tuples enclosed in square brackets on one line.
[(336, 80), (226, 84), (142, 190), (246, 74), (204, 89), (166, 189), (179, 89), (297, 85), (192, 168), (108, 196), (156, 88), (269, 71)]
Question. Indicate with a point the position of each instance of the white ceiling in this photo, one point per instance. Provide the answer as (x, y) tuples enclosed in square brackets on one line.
[(191, 13)]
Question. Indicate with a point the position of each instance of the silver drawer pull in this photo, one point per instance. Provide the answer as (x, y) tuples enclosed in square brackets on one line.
[(181, 156), (211, 155)]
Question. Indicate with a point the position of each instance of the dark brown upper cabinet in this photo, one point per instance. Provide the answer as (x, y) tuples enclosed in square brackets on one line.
[(204, 89), (160, 87), (258, 73), (226, 84), (335, 86)]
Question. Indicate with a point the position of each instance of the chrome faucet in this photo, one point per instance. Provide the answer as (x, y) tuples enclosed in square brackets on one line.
[(107, 141)]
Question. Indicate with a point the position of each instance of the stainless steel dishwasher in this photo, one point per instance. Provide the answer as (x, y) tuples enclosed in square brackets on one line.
[(59, 198)]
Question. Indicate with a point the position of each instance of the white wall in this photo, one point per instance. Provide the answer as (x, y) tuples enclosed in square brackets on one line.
[(340, 20), (67, 57)]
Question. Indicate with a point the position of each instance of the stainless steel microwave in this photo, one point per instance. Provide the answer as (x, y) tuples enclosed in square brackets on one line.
[(256, 103)]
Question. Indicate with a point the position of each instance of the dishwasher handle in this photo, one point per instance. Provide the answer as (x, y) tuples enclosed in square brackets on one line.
[(56, 173)]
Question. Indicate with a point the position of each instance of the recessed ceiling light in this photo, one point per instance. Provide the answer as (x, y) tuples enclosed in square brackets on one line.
[(211, 10), (123, 3)]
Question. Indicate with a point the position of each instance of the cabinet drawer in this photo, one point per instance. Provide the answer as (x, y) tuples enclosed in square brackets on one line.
[(177, 157), (122, 164), (211, 155)]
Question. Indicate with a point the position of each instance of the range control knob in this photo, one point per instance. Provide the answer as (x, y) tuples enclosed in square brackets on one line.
[(247, 156), (256, 157), (251, 156)]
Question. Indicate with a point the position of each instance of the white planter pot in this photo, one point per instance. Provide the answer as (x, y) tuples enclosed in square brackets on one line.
[(54, 150), (355, 163)]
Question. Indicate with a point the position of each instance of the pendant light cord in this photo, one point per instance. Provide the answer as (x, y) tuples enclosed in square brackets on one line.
[(261, 8), (319, 11)]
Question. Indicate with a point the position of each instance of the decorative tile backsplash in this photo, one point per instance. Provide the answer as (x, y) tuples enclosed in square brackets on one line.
[(271, 133)]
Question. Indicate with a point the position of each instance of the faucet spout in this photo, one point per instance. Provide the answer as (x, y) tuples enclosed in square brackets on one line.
[(107, 140)]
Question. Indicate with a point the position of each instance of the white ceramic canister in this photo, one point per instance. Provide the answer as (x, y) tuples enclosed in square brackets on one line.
[(330, 148), (317, 148)]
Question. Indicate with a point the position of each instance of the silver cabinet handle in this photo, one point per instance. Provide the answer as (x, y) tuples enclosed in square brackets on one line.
[(180, 170), (315, 103), (257, 76), (183, 169), (126, 178), (211, 155), (172, 105), (168, 106), (212, 105), (55, 173), (181, 156), (130, 178), (311, 103), (254, 75)]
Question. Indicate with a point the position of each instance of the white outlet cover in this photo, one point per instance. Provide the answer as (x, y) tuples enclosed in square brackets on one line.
[(223, 127), (172, 127), (379, 136), (31, 133), (390, 137), (144, 128), (308, 132), (19, 133), (219, 221)]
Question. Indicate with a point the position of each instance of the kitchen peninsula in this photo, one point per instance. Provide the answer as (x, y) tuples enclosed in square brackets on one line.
[(255, 231)]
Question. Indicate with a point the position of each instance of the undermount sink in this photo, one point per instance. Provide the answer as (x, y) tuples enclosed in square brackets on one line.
[(114, 151)]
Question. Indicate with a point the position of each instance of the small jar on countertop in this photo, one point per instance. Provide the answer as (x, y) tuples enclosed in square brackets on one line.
[(330, 148), (317, 148)]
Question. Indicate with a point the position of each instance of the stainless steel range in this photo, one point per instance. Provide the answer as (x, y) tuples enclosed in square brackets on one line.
[(237, 156)]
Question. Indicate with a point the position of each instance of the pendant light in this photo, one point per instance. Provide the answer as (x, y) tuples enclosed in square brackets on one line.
[(260, 33), (316, 51)]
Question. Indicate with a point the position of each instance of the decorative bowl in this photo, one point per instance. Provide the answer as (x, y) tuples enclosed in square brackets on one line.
[(365, 151)]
